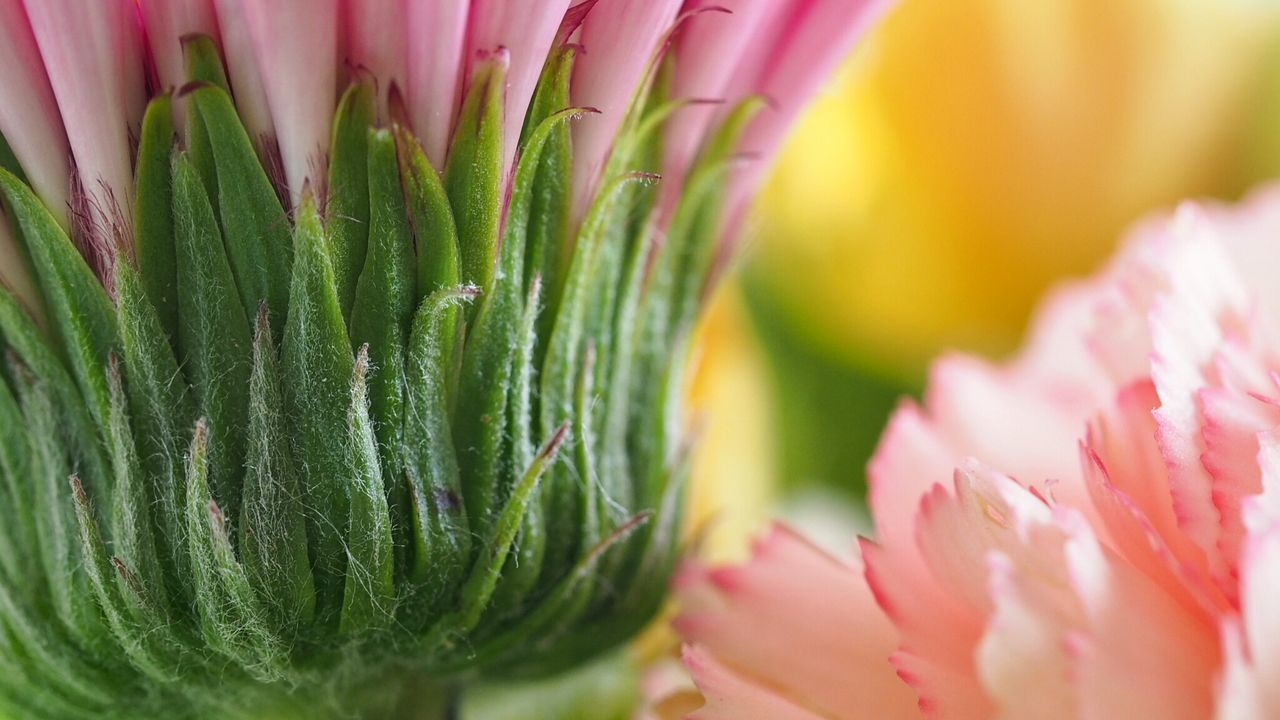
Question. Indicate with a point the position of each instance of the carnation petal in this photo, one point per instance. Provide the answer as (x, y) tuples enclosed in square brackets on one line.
[(730, 697), (832, 656)]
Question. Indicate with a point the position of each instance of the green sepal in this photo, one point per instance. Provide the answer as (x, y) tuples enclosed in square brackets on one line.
[(80, 312), (254, 225), (480, 427), (473, 176), (369, 599), (553, 616), (53, 661), (696, 228), (564, 493), (213, 333), (524, 566), (132, 521), (161, 410), (68, 586), (139, 646), (347, 208), (549, 218), (153, 214), (494, 556), (273, 533), (316, 359), (231, 618), (203, 62), (385, 298), (441, 538), (19, 528), (436, 236), (28, 344)]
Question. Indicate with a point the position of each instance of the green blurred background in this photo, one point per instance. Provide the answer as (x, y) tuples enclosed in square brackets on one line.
[(971, 154)]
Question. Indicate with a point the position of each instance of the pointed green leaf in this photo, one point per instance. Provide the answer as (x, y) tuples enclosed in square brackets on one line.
[(317, 364), (434, 229), (369, 598), (437, 242), (162, 411), (480, 585), (28, 344), (213, 333), (442, 541), (132, 519), (19, 530), (80, 312), (524, 565), (473, 177), (548, 224), (59, 547), (347, 210), (385, 298), (255, 228), (231, 618), (563, 494), (153, 213), (273, 536), (481, 422), (139, 647), (203, 63)]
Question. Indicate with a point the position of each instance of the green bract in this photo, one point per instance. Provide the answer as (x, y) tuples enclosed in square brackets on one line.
[(418, 430)]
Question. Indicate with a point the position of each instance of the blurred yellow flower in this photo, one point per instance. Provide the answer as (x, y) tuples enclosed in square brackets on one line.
[(975, 151)]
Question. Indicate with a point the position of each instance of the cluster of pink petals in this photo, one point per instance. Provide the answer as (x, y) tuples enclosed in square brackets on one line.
[(1090, 531), (75, 76)]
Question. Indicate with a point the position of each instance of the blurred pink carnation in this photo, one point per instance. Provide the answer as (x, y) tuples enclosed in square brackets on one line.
[(1089, 531)]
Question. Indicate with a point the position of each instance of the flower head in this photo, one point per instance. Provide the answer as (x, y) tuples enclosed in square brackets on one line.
[(1087, 531), (344, 339)]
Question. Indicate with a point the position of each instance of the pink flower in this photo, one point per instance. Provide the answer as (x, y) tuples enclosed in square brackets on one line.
[(1089, 531), (75, 79)]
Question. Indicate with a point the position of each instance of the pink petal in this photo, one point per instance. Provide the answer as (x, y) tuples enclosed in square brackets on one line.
[(1240, 689), (29, 118), (1186, 330), (167, 21), (526, 29), (1260, 597), (1128, 458), (93, 54), (1023, 659), (296, 45), (1131, 533), (620, 41), (377, 41), (1232, 424), (438, 29), (243, 72), (702, 44), (1145, 655), (776, 619), (794, 52), (731, 697)]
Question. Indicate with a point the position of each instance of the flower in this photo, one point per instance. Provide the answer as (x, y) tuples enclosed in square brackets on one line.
[(318, 397), (1090, 530)]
